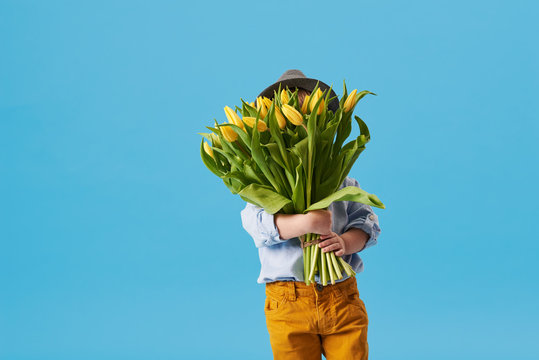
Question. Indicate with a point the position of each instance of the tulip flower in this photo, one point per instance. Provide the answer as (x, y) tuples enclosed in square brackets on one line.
[(292, 114), (228, 133), (207, 149), (215, 140), (315, 97), (284, 97), (280, 118), (304, 108), (260, 125), (261, 107), (267, 102), (351, 101), (233, 118)]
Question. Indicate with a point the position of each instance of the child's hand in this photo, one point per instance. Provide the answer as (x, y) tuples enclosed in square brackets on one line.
[(332, 242), (319, 221)]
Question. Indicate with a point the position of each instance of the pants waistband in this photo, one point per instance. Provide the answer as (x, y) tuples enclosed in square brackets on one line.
[(298, 288)]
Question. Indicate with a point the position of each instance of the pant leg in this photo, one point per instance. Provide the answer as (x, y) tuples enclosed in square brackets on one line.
[(348, 339), (292, 327)]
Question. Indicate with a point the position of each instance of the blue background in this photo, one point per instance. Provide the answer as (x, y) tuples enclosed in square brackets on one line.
[(117, 243)]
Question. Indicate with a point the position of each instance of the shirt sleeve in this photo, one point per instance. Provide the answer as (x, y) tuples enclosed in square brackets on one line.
[(362, 217), (260, 225)]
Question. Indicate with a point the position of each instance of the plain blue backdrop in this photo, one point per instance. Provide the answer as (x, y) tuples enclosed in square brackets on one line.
[(117, 242)]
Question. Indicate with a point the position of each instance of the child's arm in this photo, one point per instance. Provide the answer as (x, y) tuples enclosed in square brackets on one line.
[(294, 225), (269, 229), (361, 216), (360, 233)]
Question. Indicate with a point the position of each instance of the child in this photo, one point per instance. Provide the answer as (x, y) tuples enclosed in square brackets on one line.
[(306, 321)]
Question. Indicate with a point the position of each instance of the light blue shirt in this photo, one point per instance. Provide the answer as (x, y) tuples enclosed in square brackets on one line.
[(282, 260)]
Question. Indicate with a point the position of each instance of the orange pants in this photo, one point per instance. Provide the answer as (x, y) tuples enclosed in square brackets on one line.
[(305, 322)]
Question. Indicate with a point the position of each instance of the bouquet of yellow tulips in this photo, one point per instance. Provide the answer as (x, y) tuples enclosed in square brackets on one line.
[(291, 159)]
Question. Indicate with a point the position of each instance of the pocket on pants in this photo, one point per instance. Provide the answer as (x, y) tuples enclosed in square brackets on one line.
[(353, 300), (274, 304)]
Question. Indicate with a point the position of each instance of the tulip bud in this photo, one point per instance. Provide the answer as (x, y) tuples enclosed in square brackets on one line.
[(215, 140), (233, 118), (304, 108), (314, 99), (207, 149), (260, 125), (351, 101), (280, 118), (284, 97), (261, 107), (292, 114), (267, 102), (228, 133)]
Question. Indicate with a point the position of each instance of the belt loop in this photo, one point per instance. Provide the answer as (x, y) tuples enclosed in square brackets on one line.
[(291, 291)]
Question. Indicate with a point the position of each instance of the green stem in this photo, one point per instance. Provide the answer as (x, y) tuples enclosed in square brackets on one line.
[(330, 268), (307, 260), (313, 260), (346, 266), (335, 263), (304, 261), (319, 266), (324, 272)]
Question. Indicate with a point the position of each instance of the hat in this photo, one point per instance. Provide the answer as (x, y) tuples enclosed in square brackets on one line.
[(295, 78)]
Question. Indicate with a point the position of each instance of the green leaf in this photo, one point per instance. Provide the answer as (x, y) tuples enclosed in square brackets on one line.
[(222, 162), (264, 197), (208, 160), (344, 95), (348, 166), (273, 149), (260, 158), (329, 132), (239, 176), (233, 159), (331, 181), (361, 94), (298, 194), (244, 136), (279, 177), (248, 109), (248, 168), (364, 130), (276, 156), (233, 185), (213, 129), (349, 193), (301, 149), (206, 135)]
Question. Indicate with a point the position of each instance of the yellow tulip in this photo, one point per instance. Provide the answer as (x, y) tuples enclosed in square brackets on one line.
[(250, 121), (267, 102), (304, 108), (280, 118), (351, 101), (207, 149), (292, 114), (228, 133), (233, 118), (284, 97), (315, 98), (261, 107)]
